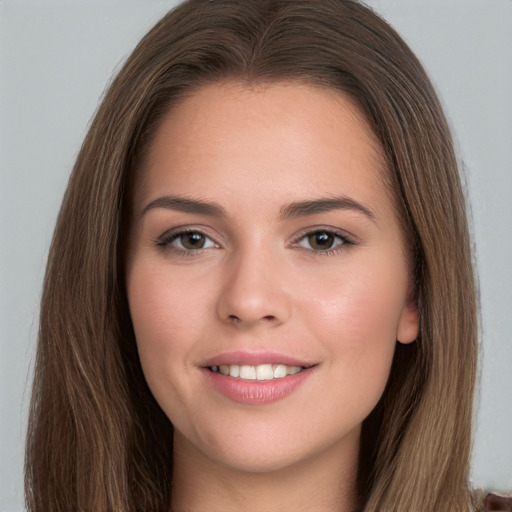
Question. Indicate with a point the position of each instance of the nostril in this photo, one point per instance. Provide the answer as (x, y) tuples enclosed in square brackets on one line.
[(236, 319)]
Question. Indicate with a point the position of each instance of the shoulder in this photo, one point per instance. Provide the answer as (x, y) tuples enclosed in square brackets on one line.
[(495, 503)]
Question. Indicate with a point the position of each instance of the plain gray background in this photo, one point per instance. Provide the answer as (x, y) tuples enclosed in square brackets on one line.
[(56, 58)]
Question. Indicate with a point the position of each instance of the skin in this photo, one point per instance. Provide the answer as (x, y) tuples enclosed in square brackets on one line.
[(259, 284)]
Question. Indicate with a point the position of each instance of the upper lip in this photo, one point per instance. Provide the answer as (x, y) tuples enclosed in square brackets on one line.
[(255, 359)]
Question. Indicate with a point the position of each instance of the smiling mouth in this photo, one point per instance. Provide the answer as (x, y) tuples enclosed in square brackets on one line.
[(257, 372)]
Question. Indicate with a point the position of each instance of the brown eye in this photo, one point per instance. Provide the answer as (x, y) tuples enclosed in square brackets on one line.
[(186, 241), (322, 241), (191, 241)]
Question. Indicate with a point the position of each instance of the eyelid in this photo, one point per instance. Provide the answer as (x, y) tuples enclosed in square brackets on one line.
[(343, 235), (164, 241)]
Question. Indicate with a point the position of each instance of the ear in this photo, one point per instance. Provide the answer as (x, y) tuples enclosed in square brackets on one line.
[(409, 322)]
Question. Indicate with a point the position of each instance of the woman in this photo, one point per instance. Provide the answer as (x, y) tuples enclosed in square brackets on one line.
[(267, 187)]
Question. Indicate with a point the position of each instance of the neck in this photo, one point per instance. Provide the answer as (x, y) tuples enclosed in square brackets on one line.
[(324, 483)]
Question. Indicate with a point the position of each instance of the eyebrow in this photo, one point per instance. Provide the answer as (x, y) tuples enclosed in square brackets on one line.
[(187, 205), (292, 210), (304, 208)]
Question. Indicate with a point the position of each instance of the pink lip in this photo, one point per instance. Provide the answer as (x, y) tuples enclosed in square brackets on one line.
[(254, 359), (254, 392)]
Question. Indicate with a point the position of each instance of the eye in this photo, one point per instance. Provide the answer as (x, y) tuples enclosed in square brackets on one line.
[(192, 241), (322, 241), (186, 241)]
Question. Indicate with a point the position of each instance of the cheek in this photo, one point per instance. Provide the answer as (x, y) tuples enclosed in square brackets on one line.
[(161, 303), (167, 317), (355, 317), (358, 308), (161, 313)]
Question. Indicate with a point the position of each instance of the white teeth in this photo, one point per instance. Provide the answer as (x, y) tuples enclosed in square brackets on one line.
[(264, 372), (280, 371), (259, 372), (293, 369), (248, 372)]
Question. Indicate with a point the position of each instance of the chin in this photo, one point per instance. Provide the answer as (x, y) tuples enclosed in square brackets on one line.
[(267, 446)]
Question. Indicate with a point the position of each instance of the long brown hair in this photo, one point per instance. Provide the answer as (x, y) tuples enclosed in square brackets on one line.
[(97, 440)]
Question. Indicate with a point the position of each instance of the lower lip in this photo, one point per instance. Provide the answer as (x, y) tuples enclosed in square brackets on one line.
[(256, 392)]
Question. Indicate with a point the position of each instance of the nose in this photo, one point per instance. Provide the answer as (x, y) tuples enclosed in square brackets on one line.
[(253, 291)]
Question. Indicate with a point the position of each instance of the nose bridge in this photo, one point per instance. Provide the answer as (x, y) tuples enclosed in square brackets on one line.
[(253, 291)]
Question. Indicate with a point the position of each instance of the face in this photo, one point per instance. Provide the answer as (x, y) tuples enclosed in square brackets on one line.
[(267, 277)]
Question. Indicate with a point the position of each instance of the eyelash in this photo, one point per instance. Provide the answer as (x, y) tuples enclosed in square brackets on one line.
[(343, 240), (166, 241)]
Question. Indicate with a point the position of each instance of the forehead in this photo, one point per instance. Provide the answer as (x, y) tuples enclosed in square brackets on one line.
[(279, 138)]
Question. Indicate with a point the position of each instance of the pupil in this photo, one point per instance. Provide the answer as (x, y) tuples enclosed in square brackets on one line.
[(192, 240), (321, 240)]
